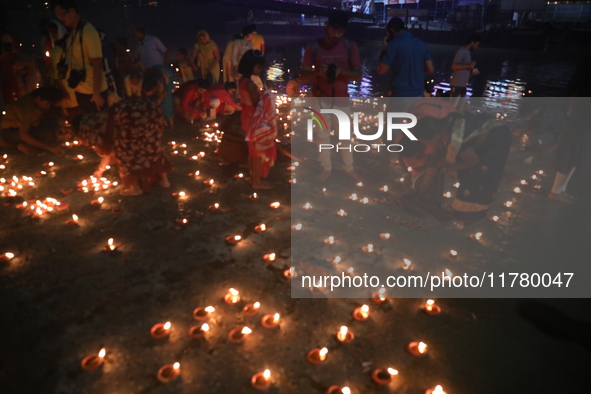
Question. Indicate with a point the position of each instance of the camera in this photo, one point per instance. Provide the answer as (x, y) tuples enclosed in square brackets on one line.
[(62, 69), (331, 73), (76, 76)]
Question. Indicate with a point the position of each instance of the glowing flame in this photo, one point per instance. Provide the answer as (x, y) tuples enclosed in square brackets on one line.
[(276, 318), (308, 206), (517, 190), (9, 255), (438, 390), (392, 371), (246, 331), (422, 347), (365, 309), (110, 243), (234, 292), (182, 194), (167, 325), (370, 248), (267, 374), (453, 253), (353, 197), (263, 227), (478, 236), (257, 305), (237, 237), (407, 264), (360, 184), (346, 390), (275, 205), (272, 257), (337, 259), (75, 218), (495, 218), (210, 309), (342, 212), (298, 227), (323, 352), (330, 240), (100, 200), (205, 327), (80, 157), (102, 353), (448, 273), (176, 366)]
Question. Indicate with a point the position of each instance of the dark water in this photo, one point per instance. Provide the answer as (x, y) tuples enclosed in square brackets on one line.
[(503, 73)]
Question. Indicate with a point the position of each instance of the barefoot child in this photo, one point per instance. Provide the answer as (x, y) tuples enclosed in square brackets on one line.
[(258, 119)]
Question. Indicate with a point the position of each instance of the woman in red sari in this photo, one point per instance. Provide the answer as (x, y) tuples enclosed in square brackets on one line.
[(258, 119), (130, 134)]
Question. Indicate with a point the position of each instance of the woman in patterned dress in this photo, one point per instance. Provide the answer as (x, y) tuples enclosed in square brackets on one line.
[(129, 134)]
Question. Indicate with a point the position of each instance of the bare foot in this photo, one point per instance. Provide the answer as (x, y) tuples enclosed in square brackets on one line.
[(131, 192), (323, 176), (261, 185), (560, 197), (26, 150), (352, 174)]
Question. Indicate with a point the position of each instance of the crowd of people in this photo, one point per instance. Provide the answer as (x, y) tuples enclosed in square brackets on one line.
[(119, 102)]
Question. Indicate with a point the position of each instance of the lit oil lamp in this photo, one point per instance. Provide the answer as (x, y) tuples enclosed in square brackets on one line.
[(239, 176), (251, 309), (329, 241), (354, 197), (22, 206), (431, 308), (110, 247), (361, 313), (360, 184), (417, 348), (307, 206), (48, 164), (317, 356), (210, 182), (476, 237), (523, 182), (379, 296), (297, 227), (239, 335), (79, 158), (342, 213), (495, 218), (447, 194), (534, 177), (289, 273), (540, 172), (160, 330), (253, 196), (232, 297), (269, 257), (202, 313), (517, 190), (182, 222), (214, 207), (338, 390), (261, 380), (407, 264), (385, 236), (437, 390), (6, 257), (383, 376), (233, 239), (368, 248), (40, 174), (384, 188), (345, 335), (457, 185), (452, 255), (275, 205), (169, 372), (364, 201), (261, 228), (196, 332), (270, 321), (73, 221), (93, 362), (99, 201), (508, 204)]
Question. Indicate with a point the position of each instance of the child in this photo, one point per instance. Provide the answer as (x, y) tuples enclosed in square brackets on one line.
[(258, 119), (184, 65)]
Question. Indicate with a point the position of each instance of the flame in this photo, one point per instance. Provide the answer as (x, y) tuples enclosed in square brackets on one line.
[(263, 227), (337, 259), (323, 352), (100, 200), (438, 390), (365, 309), (102, 353), (47, 53), (370, 248), (176, 366), (298, 226), (495, 218), (343, 331), (80, 157), (75, 218), (353, 197), (185, 221), (167, 325), (237, 237), (234, 292), (331, 239), (346, 390), (205, 327), (9, 255), (392, 371), (448, 272), (422, 347), (276, 318), (275, 205), (182, 194), (308, 206), (430, 302), (478, 235), (257, 305), (246, 331), (454, 253), (210, 309), (407, 263), (254, 195), (360, 184), (272, 257)]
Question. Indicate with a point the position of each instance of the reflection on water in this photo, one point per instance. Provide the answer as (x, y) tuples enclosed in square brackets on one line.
[(503, 73)]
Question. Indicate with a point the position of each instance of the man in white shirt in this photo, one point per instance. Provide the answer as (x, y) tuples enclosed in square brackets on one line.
[(150, 50), (463, 66)]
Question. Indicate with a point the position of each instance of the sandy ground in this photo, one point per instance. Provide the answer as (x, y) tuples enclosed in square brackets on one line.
[(62, 298)]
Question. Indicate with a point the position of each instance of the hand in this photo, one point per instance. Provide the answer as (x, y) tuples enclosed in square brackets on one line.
[(473, 65), (98, 100), (475, 72), (56, 150)]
